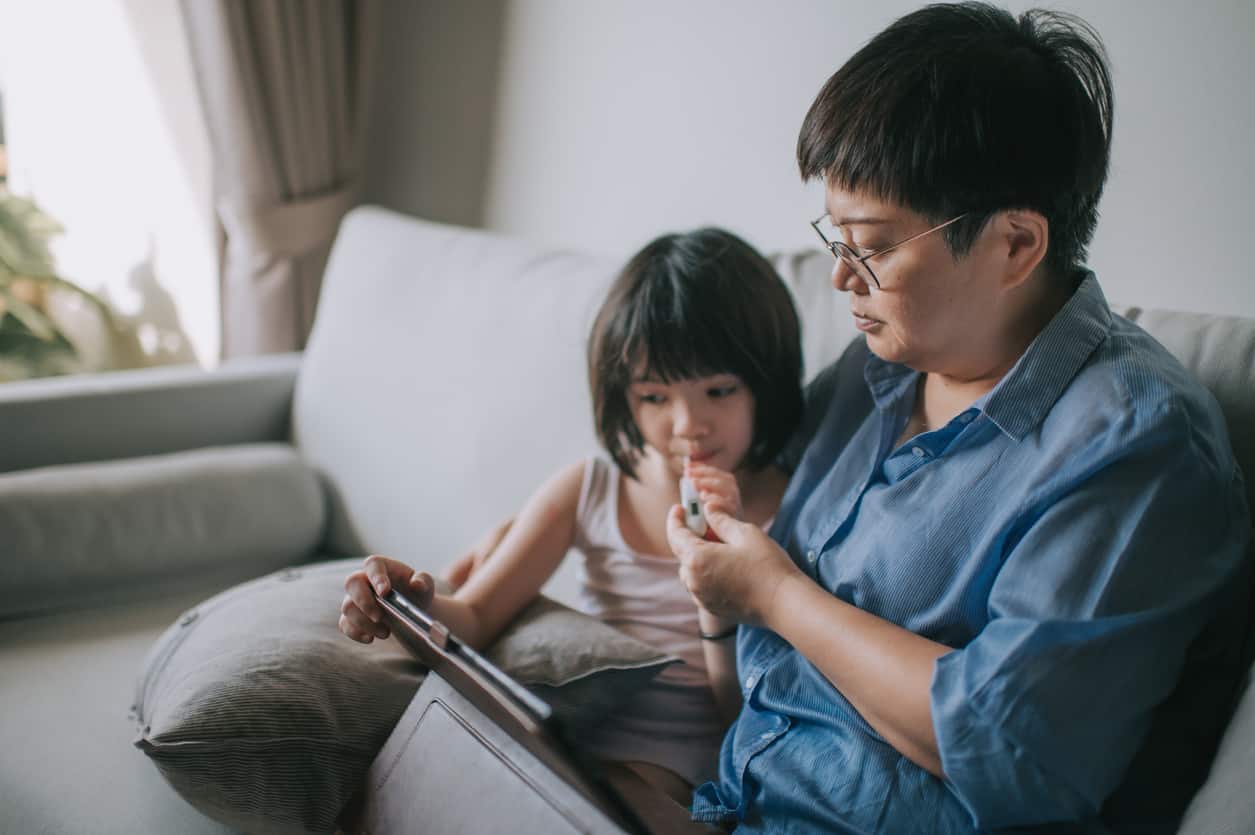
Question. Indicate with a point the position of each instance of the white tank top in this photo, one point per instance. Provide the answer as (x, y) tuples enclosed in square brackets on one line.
[(673, 722)]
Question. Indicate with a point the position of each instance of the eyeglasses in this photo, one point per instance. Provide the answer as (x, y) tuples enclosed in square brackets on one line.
[(858, 263)]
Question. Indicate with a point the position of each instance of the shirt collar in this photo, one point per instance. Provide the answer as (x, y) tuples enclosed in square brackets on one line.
[(1027, 392)]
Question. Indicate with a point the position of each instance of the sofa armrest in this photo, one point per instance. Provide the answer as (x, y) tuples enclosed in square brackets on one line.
[(124, 414), (102, 532)]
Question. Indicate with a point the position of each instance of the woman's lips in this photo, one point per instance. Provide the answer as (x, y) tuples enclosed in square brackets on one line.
[(866, 323)]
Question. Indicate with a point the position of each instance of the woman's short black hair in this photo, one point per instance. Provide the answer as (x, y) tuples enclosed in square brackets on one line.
[(695, 305), (964, 108)]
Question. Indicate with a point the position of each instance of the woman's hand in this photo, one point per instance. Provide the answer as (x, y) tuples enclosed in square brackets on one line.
[(717, 489), (736, 579), (361, 616), (464, 566)]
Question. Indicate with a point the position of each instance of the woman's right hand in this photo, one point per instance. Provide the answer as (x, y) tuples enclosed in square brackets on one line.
[(361, 616)]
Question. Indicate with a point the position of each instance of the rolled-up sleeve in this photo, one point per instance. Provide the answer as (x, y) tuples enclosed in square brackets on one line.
[(1102, 589)]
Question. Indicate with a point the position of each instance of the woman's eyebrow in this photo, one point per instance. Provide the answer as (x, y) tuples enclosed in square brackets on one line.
[(857, 220)]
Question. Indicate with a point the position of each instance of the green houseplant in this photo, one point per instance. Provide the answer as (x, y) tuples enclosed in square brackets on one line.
[(32, 343)]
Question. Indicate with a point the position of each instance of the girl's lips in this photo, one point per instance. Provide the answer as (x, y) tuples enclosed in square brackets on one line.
[(705, 456)]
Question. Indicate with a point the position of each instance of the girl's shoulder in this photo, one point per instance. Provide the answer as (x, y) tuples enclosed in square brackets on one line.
[(562, 492), (598, 494)]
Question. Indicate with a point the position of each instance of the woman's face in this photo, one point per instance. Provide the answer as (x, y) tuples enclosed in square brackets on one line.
[(931, 312)]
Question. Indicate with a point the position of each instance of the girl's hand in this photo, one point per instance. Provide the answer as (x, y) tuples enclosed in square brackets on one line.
[(736, 579), (717, 489), (464, 566), (361, 616)]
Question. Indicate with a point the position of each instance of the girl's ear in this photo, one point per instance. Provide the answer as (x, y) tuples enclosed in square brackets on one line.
[(1023, 236)]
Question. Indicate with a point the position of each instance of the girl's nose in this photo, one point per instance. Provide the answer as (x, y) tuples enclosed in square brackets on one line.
[(688, 421)]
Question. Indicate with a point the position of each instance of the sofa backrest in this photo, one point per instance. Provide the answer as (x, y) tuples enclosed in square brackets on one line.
[(1220, 351)]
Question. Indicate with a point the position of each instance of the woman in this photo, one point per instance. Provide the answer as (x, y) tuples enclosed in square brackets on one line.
[(1015, 513)]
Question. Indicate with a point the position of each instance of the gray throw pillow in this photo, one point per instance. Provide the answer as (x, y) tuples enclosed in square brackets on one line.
[(583, 668), (263, 716)]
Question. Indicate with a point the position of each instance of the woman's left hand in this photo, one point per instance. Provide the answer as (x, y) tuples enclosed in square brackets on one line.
[(735, 579)]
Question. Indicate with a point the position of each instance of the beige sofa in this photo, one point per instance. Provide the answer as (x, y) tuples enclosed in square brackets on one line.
[(443, 380)]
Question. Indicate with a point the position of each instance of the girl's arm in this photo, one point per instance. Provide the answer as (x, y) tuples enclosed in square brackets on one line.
[(533, 547), (460, 570), (531, 551)]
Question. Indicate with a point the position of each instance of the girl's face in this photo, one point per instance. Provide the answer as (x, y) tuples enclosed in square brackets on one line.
[(708, 419)]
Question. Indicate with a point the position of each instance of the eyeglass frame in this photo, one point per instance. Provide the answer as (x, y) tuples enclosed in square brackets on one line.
[(843, 252)]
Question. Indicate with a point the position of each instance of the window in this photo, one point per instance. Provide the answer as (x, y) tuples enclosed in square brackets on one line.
[(102, 131)]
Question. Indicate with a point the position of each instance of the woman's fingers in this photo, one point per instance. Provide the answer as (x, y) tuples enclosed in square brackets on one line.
[(679, 537)]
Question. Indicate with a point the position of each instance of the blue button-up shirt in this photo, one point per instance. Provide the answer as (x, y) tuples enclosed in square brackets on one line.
[(1069, 535)]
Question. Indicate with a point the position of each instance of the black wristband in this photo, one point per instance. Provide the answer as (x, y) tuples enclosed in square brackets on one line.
[(718, 636)]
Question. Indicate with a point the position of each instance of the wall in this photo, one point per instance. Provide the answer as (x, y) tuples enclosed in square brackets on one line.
[(598, 124)]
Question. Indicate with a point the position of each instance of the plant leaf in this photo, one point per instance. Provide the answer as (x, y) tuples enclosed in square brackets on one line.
[(34, 319)]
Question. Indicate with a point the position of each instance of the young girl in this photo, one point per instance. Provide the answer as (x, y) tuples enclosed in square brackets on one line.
[(694, 363)]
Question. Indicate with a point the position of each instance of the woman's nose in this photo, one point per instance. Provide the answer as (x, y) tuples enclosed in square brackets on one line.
[(846, 279)]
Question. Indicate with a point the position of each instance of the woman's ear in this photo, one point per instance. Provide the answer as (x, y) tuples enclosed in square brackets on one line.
[(1025, 237)]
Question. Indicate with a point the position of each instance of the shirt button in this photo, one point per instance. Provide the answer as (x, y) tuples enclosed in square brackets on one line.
[(917, 452), (966, 417), (810, 556), (749, 681)]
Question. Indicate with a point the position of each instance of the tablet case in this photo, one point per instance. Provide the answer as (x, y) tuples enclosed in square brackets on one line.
[(476, 752)]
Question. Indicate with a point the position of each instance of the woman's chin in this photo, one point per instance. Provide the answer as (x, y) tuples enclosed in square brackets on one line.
[(887, 349)]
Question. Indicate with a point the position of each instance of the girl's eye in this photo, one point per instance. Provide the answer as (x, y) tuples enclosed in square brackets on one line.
[(654, 399), (721, 391)]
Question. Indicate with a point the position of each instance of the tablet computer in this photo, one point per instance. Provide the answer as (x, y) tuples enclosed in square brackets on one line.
[(524, 716)]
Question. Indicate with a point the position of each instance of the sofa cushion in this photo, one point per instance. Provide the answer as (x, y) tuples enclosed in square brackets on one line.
[(92, 532), (263, 716)]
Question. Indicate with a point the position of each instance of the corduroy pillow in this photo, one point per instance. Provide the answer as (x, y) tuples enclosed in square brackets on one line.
[(263, 716)]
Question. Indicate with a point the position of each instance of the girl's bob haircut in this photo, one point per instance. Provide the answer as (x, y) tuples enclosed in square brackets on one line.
[(695, 305)]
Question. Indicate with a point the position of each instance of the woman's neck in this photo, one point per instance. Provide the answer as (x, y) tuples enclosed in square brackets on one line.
[(944, 393)]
